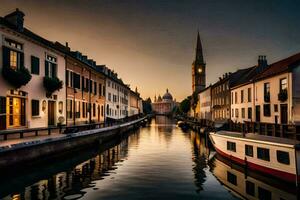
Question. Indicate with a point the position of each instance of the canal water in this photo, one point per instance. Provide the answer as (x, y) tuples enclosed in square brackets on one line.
[(159, 161)]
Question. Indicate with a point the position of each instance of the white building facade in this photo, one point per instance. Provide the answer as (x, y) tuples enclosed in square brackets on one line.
[(205, 103), (29, 105)]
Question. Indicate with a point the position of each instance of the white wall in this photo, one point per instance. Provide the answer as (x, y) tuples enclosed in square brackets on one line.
[(35, 87)]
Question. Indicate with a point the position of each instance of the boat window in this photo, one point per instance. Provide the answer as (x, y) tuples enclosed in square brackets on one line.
[(264, 194), (283, 157), (231, 178), (249, 150), (250, 188), (263, 153), (231, 146)]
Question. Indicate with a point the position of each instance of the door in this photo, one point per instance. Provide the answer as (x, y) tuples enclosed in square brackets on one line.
[(51, 113), (2, 113), (15, 112), (257, 113), (283, 113)]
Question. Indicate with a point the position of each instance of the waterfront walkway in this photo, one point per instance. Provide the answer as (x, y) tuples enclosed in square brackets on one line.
[(29, 139)]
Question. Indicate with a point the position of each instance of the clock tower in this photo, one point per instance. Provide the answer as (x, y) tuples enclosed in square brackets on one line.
[(198, 69)]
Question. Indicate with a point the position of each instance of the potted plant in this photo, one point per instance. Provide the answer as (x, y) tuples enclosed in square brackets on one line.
[(16, 77), (52, 84), (282, 95)]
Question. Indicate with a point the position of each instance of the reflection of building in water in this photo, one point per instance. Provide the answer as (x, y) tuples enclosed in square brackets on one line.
[(249, 187), (164, 123), (164, 105), (64, 184), (200, 153)]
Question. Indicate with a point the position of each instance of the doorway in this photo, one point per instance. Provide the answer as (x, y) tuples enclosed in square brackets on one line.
[(51, 113), (257, 113), (15, 110), (283, 113)]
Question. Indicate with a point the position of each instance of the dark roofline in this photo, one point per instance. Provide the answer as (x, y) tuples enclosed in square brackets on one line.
[(29, 34)]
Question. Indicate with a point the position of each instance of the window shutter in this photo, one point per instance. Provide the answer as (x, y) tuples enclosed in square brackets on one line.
[(54, 68), (82, 83), (46, 69), (6, 57), (2, 113), (67, 78), (35, 65), (21, 60)]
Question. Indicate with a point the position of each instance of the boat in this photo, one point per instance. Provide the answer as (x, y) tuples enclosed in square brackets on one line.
[(278, 157), (248, 184)]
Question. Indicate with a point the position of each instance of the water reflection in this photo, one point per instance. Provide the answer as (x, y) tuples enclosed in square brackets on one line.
[(251, 185), (159, 161)]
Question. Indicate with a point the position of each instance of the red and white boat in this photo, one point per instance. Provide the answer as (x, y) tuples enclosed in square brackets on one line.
[(278, 157)]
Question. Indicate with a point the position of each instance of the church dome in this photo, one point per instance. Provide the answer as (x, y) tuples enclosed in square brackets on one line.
[(167, 96)]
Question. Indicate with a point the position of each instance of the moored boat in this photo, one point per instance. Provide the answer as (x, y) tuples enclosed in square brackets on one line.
[(278, 157)]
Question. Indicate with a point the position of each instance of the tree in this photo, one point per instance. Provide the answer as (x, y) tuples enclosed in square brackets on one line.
[(185, 105), (194, 101), (147, 108)]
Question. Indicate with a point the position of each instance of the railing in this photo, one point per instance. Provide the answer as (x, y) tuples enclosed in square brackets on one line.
[(270, 129), (63, 129)]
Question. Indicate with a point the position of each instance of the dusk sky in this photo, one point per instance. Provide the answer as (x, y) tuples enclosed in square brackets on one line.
[(151, 44)]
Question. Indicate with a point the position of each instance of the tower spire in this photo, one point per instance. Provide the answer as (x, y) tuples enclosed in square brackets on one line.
[(199, 52)]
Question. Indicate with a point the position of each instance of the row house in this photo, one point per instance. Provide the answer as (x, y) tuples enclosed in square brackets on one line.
[(269, 93), (221, 96), (32, 93), (205, 104), (117, 96), (135, 103), (242, 93), (277, 92)]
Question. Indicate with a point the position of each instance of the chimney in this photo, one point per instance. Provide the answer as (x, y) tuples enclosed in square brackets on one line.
[(16, 18), (262, 63), (67, 44)]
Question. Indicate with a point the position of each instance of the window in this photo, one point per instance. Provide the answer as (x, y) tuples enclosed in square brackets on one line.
[(267, 110), (69, 108), (231, 178), (103, 90), (83, 110), (249, 95), (249, 113), (91, 86), (249, 150), (232, 112), (250, 188), (283, 157), (109, 96), (263, 154), (242, 96), (236, 98), (87, 84), (283, 84), (35, 65), (76, 80), (100, 89), (95, 88), (50, 66), (231, 97), (264, 194), (35, 107), (236, 112), (102, 111), (267, 92), (77, 109), (231, 146), (243, 113), (94, 109), (13, 58), (275, 107)]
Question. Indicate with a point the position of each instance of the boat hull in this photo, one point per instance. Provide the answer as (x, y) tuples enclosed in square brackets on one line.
[(265, 169)]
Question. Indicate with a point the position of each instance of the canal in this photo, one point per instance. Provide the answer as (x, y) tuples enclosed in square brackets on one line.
[(159, 161)]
